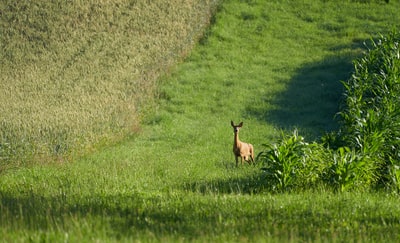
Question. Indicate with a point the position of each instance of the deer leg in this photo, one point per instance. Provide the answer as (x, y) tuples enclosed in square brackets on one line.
[(252, 153), (237, 160), (249, 160)]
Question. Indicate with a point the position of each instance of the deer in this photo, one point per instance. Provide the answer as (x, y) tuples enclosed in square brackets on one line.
[(241, 149)]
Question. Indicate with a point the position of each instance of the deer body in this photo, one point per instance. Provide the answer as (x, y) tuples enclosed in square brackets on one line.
[(241, 149)]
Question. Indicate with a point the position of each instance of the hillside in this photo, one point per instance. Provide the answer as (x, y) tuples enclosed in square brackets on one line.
[(77, 73), (276, 66)]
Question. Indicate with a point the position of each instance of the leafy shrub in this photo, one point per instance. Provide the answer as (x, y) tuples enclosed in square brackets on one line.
[(350, 169), (291, 163), (394, 177)]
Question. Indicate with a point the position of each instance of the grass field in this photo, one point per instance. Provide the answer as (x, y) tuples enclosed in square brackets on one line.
[(275, 65)]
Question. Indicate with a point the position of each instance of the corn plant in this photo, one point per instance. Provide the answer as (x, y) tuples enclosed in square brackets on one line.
[(371, 111), (350, 169), (285, 161), (393, 176)]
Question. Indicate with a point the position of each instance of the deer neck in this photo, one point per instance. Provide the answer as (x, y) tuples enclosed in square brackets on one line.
[(236, 140)]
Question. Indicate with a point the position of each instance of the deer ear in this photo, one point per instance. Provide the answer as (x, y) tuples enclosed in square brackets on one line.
[(232, 124), (241, 124)]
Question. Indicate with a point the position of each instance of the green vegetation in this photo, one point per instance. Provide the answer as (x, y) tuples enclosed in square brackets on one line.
[(276, 65), (371, 118), (364, 152)]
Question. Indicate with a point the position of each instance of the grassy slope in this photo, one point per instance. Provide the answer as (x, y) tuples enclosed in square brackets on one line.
[(273, 64)]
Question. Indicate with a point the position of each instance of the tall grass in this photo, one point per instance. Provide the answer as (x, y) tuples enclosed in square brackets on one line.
[(78, 73)]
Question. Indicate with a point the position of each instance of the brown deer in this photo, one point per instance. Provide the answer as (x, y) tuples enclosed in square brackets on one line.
[(240, 149)]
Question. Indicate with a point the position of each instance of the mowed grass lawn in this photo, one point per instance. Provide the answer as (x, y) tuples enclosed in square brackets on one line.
[(275, 65)]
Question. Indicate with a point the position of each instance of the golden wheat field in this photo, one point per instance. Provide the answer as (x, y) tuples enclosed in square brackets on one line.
[(78, 73)]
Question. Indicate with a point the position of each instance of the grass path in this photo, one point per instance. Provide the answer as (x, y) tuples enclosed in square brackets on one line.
[(274, 65)]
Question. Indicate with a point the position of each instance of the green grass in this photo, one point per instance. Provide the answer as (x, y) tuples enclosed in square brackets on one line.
[(275, 65)]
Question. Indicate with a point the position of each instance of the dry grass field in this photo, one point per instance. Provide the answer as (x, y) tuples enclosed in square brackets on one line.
[(78, 73)]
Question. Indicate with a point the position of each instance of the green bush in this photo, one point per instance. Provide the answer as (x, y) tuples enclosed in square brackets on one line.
[(292, 163), (350, 169)]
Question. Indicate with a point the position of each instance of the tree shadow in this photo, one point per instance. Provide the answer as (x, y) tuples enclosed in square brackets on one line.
[(312, 97)]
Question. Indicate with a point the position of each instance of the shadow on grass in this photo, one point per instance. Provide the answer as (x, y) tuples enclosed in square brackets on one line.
[(123, 214), (120, 215), (312, 97), (155, 218), (241, 185)]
